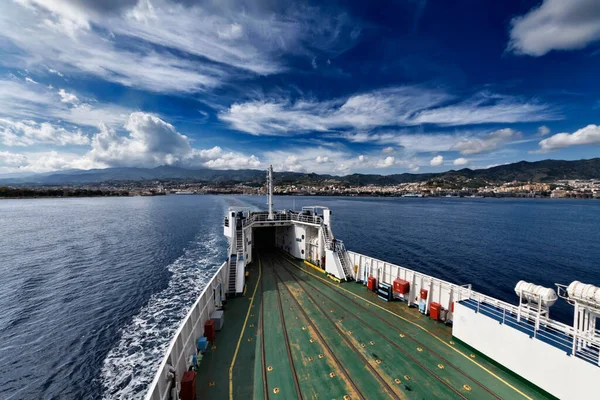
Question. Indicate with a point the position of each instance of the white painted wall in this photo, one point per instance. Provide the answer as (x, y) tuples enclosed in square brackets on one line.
[(439, 291), (332, 264), (566, 377), (286, 240)]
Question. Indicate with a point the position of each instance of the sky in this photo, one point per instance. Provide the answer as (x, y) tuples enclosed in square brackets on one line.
[(327, 87)]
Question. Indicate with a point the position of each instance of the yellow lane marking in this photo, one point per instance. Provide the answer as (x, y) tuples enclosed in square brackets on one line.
[(422, 328), (237, 348), (314, 266)]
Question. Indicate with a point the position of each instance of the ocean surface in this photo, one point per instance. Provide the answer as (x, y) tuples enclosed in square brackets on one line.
[(92, 290)]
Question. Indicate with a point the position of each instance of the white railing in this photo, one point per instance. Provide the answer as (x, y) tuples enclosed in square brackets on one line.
[(443, 292), (184, 344), (282, 216), (559, 334)]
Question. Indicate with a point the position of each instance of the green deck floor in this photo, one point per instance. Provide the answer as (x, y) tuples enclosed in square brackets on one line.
[(297, 333)]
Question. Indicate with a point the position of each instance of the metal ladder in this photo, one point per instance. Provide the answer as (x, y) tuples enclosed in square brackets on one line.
[(232, 273)]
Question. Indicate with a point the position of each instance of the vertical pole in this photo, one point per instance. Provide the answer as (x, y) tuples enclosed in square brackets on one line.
[(270, 191), (575, 325)]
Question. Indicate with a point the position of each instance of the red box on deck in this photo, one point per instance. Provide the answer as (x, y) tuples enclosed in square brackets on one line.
[(209, 330), (188, 386), (434, 310), (372, 283), (424, 294), (401, 286)]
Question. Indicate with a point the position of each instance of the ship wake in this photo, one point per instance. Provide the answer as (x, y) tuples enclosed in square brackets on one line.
[(130, 366)]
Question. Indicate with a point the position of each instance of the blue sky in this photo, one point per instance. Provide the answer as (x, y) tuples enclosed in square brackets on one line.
[(328, 87)]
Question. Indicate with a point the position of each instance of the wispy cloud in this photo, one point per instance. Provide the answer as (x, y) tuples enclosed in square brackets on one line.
[(166, 46), (398, 106), (556, 25), (19, 101)]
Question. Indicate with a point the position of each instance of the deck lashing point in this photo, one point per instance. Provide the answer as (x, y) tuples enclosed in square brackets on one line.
[(251, 325), (346, 397), (303, 328), (211, 384), (252, 315), (269, 368), (467, 388), (310, 358), (378, 361), (472, 355), (440, 366), (406, 378), (331, 374), (214, 347), (451, 342), (249, 339), (276, 390), (402, 335), (371, 343), (312, 340), (321, 356), (363, 345), (398, 381), (419, 349)]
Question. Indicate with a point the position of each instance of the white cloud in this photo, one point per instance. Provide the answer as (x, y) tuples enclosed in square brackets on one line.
[(543, 130), (485, 108), (556, 25), (26, 133), (460, 161), (492, 141), (19, 101), (176, 47), (55, 72), (386, 162), (322, 159), (589, 135), (388, 150), (404, 106), (67, 97), (8, 159), (149, 142), (436, 161), (28, 79)]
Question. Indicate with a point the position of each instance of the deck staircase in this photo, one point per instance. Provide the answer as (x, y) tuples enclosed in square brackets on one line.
[(232, 273), (339, 249), (236, 260)]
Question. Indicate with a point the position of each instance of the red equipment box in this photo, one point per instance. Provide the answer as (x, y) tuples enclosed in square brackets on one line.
[(188, 386), (209, 330), (434, 311), (424, 294), (401, 286), (372, 283)]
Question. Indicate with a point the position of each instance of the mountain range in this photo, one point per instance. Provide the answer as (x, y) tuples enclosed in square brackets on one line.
[(539, 171)]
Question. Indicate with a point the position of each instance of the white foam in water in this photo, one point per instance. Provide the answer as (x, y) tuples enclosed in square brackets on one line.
[(130, 366)]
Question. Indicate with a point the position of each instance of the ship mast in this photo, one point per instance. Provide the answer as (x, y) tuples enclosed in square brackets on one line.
[(270, 190)]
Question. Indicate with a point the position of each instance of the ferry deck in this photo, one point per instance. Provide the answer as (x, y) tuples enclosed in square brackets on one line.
[(295, 333)]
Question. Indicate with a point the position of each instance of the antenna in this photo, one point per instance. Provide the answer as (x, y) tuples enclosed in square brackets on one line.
[(270, 191)]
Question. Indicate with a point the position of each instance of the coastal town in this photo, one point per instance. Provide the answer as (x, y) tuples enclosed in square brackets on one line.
[(580, 189)]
